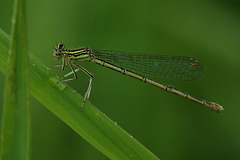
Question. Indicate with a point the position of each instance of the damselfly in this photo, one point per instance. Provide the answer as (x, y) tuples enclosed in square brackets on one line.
[(152, 69)]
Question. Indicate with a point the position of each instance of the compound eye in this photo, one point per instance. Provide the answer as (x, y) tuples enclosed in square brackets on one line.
[(60, 46)]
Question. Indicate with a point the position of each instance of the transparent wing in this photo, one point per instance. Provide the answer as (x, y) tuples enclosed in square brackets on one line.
[(156, 67)]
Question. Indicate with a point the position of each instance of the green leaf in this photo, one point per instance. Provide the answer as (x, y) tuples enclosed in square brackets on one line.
[(90, 123), (15, 137)]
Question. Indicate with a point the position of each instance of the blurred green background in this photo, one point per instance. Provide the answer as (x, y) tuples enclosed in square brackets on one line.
[(171, 127)]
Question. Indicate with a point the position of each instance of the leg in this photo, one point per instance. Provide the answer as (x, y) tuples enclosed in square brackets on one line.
[(70, 73), (87, 94), (66, 80), (55, 66), (59, 64), (73, 72)]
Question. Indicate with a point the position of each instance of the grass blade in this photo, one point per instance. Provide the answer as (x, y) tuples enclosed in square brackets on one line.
[(88, 122), (15, 137)]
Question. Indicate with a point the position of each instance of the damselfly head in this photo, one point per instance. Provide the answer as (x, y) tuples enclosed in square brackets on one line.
[(58, 52)]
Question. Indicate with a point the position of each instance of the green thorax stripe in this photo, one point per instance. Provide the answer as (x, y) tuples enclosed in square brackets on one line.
[(79, 54)]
